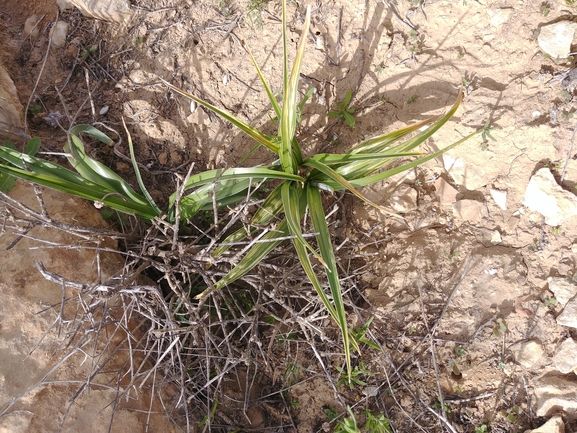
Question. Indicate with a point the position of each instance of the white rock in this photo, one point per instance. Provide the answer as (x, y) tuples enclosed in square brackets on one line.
[(30, 27), (555, 394), (470, 176), (469, 210), (107, 10), (545, 196), (555, 39), (562, 289), (527, 353), (500, 198), (554, 425), (568, 316), (11, 118), (565, 360), (58, 33), (404, 199), (447, 194), (496, 237), (499, 16)]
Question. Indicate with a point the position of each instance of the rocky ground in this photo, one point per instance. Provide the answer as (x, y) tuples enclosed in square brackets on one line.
[(474, 294)]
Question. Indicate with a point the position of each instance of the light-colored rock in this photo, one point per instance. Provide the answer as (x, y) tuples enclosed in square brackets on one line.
[(470, 176), (545, 196), (11, 111), (496, 237), (527, 353), (554, 394), (469, 210), (568, 316), (23, 293), (554, 425), (499, 16), (447, 194), (500, 198), (404, 199), (30, 27), (556, 39), (59, 33), (108, 10), (562, 289), (565, 360)]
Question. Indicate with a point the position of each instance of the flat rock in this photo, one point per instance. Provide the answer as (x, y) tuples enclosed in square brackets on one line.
[(500, 198), (404, 199), (554, 425), (11, 117), (563, 290), (568, 316), (470, 176), (108, 10), (555, 394), (58, 33), (527, 353), (469, 210), (445, 191), (565, 360), (545, 196), (555, 39), (499, 16)]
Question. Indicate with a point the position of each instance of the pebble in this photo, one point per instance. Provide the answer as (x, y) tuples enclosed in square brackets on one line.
[(445, 191), (59, 33), (500, 198), (555, 39), (470, 176), (563, 290), (499, 16), (565, 359), (545, 196), (469, 210), (527, 353), (29, 29), (568, 316)]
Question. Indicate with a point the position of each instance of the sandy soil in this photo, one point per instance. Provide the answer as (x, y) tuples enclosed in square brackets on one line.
[(479, 279)]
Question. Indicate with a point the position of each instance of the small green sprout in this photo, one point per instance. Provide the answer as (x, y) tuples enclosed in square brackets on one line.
[(348, 425), (487, 132), (344, 111), (482, 429), (500, 328), (377, 423), (412, 99), (87, 51)]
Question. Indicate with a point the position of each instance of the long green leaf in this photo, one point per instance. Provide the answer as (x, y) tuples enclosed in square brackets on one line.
[(255, 134), (289, 109), (324, 241)]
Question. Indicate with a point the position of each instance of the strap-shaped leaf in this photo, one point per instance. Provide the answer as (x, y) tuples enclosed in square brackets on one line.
[(290, 106), (255, 134), (324, 241)]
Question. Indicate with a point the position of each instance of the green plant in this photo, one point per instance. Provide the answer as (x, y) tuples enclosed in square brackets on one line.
[(412, 99), (348, 424), (35, 109), (377, 423), (482, 429), (330, 413), (500, 328), (352, 378), (344, 111), (549, 303), (545, 8), (253, 11), (486, 132), (460, 351), (87, 51), (299, 183)]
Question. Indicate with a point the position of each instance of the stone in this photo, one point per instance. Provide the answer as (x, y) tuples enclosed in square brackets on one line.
[(108, 10), (445, 191), (24, 293), (563, 289), (30, 27), (556, 39), (496, 237), (404, 199), (471, 211), (470, 176), (11, 114), (545, 196), (565, 360), (500, 198), (568, 316), (527, 353), (554, 394), (554, 425), (59, 33), (499, 16)]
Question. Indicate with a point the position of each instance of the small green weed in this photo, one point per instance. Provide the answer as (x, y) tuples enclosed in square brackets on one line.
[(208, 419), (549, 303), (412, 99), (545, 8), (482, 429), (500, 328), (87, 51), (354, 379), (344, 111), (377, 423), (330, 413), (486, 133), (254, 10), (379, 69), (460, 351), (34, 109), (348, 424)]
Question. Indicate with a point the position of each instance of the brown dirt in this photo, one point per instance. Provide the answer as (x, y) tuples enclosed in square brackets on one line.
[(398, 76)]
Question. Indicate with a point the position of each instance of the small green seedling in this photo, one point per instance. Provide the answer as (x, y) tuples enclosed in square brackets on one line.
[(379, 69), (348, 425), (344, 111), (359, 370), (482, 429), (35, 109), (486, 133), (460, 351), (209, 419), (330, 413), (377, 423), (87, 51), (545, 8), (412, 99), (500, 328)]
